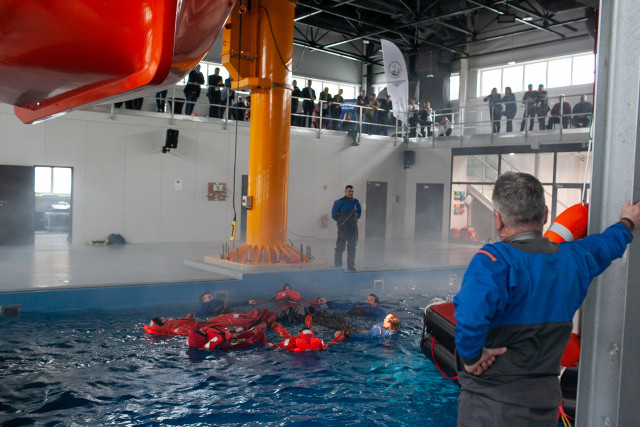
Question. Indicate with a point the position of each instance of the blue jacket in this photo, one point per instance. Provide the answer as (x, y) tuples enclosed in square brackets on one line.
[(370, 310), (210, 308), (346, 212), (377, 331), (523, 295)]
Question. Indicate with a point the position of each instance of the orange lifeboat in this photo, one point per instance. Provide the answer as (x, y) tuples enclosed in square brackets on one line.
[(59, 55)]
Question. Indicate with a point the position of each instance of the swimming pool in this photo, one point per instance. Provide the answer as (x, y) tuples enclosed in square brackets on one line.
[(98, 367)]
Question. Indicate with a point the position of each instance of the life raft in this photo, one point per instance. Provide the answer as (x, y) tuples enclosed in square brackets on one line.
[(438, 345)]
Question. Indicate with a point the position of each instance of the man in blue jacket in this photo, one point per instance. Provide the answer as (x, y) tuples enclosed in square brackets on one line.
[(346, 212), (515, 307), (367, 308)]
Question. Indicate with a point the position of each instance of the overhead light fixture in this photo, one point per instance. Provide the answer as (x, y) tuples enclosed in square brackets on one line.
[(527, 18), (430, 75), (365, 41), (512, 61)]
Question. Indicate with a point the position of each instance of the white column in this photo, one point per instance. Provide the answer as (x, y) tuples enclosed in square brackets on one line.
[(609, 383)]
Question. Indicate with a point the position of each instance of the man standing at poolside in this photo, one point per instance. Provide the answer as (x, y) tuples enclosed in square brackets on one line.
[(515, 307), (346, 212)]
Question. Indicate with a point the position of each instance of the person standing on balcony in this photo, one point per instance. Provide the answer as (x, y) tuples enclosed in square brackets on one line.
[(295, 94), (529, 100), (426, 119), (213, 93), (309, 95), (543, 106), (336, 109), (325, 100), (192, 89), (361, 102), (510, 107), (495, 109)]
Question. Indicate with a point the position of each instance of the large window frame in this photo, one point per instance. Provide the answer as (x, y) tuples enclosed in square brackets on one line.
[(553, 182), (350, 90), (543, 72)]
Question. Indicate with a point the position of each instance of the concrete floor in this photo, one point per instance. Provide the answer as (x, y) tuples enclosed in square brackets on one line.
[(53, 264)]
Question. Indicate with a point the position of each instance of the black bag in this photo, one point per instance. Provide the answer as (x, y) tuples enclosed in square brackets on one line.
[(115, 239)]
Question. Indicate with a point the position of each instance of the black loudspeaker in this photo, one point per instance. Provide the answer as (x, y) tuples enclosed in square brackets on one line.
[(409, 158), (171, 140)]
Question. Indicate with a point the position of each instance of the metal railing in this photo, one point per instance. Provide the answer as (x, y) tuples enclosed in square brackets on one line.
[(440, 124)]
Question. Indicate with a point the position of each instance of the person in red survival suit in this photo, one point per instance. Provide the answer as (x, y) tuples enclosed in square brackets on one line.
[(229, 336), (165, 326), (287, 298), (306, 340)]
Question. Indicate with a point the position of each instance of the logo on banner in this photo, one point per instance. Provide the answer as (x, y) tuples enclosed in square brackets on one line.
[(395, 69)]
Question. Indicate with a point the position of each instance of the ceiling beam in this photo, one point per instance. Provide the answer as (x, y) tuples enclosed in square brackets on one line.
[(522, 21), (381, 30)]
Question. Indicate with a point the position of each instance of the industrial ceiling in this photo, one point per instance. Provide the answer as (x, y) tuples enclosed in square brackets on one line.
[(452, 28)]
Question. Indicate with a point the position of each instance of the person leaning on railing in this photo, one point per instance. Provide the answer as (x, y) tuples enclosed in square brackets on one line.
[(582, 113), (558, 110), (336, 109)]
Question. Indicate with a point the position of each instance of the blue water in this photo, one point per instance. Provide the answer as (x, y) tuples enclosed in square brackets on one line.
[(100, 368)]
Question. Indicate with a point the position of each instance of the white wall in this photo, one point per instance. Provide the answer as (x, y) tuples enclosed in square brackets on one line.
[(123, 183)]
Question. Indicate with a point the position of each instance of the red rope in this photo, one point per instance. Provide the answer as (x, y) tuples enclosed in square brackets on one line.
[(433, 340)]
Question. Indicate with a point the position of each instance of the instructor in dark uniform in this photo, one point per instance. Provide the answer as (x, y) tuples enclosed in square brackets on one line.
[(346, 212)]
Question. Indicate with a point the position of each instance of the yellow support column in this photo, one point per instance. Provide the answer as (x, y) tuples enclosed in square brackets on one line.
[(258, 51)]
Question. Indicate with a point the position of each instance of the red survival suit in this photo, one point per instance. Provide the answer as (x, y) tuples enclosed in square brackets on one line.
[(188, 324), (286, 299), (306, 340), (234, 336)]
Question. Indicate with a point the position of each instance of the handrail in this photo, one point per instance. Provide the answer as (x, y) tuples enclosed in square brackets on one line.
[(463, 122)]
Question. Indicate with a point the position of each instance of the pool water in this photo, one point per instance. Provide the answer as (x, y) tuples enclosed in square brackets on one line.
[(100, 368)]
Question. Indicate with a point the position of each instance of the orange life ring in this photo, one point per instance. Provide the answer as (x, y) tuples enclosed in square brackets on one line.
[(570, 224)]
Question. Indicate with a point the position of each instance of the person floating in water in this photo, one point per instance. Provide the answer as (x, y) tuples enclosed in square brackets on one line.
[(182, 326), (236, 336), (210, 306), (384, 329), (367, 308), (287, 298), (306, 340)]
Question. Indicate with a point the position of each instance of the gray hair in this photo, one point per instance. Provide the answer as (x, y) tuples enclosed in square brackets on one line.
[(519, 197)]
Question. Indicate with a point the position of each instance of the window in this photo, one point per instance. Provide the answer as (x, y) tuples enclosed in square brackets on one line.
[(552, 73), (512, 77), (559, 73), (319, 85), (207, 68), (52, 180), (473, 175), (454, 87), (583, 69), (536, 74), (490, 79)]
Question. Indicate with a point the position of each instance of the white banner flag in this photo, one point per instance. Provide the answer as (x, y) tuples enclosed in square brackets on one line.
[(395, 70)]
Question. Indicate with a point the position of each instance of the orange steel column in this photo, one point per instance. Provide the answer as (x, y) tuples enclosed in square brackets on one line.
[(270, 45)]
